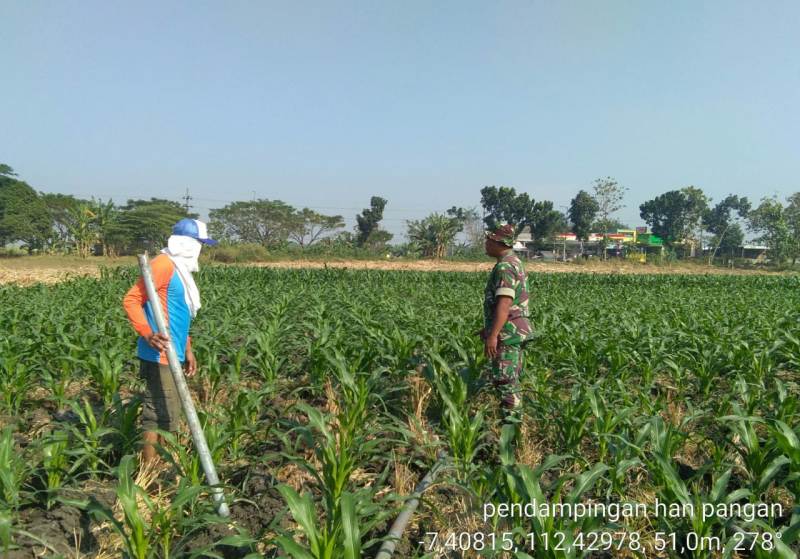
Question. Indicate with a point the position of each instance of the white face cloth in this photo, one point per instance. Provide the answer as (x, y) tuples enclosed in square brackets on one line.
[(184, 253)]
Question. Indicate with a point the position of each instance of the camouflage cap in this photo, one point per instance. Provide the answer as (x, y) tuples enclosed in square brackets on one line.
[(503, 234)]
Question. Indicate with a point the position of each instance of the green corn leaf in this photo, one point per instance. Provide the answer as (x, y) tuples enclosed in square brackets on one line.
[(772, 470), (186, 494), (718, 491), (787, 441), (625, 465), (738, 495), (507, 436), (530, 481), (783, 551), (674, 483), (585, 481), (352, 537), (549, 463), (790, 535), (302, 510), (293, 548)]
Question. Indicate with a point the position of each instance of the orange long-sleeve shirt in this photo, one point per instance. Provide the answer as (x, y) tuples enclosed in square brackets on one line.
[(171, 294)]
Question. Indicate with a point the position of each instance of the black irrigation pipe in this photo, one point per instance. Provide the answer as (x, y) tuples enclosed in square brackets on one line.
[(399, 526)]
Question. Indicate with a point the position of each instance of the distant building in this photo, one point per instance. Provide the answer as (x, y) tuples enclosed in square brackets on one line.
[(524, 236), (568, 246)]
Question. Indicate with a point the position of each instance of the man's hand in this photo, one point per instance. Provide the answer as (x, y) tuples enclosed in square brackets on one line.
[(190, 367), (490, 347), (158, 341)]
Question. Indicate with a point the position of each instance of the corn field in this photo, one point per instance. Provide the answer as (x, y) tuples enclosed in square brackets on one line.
[(326, 395)]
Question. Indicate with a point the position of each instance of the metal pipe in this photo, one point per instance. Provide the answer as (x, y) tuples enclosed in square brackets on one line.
[(175, 367), (399, 526)]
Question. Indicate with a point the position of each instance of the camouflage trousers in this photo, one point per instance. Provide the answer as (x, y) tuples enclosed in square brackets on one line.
[(506, 369)]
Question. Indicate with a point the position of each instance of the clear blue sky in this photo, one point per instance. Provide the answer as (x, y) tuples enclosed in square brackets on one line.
[(324, 104)]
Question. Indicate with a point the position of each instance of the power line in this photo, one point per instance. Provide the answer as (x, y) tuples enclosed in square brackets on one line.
[(186, 199)]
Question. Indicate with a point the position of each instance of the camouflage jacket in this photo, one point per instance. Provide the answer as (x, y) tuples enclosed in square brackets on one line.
[(508, 279)]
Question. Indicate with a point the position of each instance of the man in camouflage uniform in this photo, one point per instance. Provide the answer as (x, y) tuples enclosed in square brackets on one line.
[(505, 316)]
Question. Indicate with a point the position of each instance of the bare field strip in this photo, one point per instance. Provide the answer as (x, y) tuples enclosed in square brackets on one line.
[(49, 271), (532, 267)]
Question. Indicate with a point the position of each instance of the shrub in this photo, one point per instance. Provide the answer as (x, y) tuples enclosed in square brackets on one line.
[(245, 252)]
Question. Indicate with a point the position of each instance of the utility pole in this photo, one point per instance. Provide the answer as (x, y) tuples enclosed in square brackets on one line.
[(186, 199), (564, 253)]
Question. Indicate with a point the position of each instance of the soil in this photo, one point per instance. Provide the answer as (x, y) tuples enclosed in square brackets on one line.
[(261, 504), (256, 510), (65, 528), (207, 537)]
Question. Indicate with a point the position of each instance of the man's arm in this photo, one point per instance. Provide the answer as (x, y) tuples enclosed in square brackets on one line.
[(191, 362), (500, 318), (135, 298)]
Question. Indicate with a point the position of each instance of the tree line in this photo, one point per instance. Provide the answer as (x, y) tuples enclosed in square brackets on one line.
[(685, 217), (59, 223)]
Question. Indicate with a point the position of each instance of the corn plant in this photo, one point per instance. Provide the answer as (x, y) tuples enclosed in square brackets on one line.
[(122, 419), (65, 357), (665, 438), (607, 421), (268, 358), (16, 378), (323, 337), (154, 535), (56, 465), (762, 459), (211, 369), (342, 441), (267, 342), (92, 437), (6, 540), (241, 419), (180, 454), (522, 485), (673, 490), (573, 418), (338, 456), (327, 541), (464, 429), (105, 368), (750, 396), (15, 471), (338, 451), (787, 405), (789, 443), (236, 360)]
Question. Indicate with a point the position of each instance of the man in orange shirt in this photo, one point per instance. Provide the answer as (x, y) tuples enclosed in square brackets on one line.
[(180, 301)]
